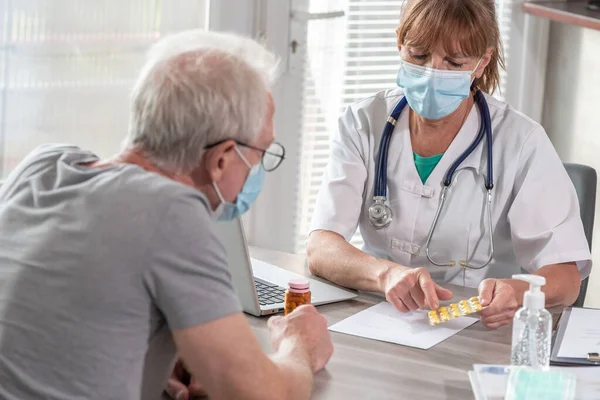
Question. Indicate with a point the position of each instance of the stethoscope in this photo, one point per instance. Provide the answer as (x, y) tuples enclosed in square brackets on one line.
[(380, 215)]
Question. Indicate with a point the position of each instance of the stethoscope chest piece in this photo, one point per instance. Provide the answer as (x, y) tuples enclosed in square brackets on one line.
[(380, 215)]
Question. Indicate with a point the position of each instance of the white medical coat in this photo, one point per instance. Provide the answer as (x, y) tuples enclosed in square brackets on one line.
[(535, 211)]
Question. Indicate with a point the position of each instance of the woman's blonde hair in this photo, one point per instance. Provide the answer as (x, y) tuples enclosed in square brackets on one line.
[(470, 24)]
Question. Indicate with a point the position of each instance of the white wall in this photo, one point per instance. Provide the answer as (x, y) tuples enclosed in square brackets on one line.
[(571, 113)]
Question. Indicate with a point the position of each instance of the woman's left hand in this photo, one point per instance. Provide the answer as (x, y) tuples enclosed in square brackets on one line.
[(501, 301)]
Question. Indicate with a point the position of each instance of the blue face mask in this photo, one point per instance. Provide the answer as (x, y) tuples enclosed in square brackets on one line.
[(433, 93), (252, 186)]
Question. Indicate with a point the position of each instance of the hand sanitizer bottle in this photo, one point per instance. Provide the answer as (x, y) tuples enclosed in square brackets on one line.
[(532, 327)]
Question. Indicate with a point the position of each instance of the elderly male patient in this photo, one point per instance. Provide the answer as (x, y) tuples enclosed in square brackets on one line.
[(110, 267)]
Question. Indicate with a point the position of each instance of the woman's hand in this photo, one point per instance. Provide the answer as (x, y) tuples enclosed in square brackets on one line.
[(413, 289), (501, 301), (182, 386)]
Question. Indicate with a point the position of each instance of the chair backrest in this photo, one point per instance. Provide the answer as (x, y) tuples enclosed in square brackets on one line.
[(585, 180)]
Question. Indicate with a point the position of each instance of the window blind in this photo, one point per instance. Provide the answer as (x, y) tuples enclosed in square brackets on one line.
[(67, 67), (347, 60)]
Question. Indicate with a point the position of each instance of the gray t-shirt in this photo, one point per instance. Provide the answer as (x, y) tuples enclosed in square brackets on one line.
[(97, 265)]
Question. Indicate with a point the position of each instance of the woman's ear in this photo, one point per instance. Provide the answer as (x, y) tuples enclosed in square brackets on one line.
[(485, 60), (398, 43)]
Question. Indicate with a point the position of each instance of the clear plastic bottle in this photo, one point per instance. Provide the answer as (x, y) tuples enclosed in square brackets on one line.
[(532, 327), (298, 293)]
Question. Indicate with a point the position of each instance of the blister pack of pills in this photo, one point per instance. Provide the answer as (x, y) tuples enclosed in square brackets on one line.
[(454, 310)]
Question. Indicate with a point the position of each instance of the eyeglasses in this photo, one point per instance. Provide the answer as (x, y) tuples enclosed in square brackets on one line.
[(271, 157)]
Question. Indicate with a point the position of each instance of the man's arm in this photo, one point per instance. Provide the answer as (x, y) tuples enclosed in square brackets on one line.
[(228, 362)]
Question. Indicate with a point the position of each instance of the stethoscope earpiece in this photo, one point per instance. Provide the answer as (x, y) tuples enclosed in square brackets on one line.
[(380, 215)]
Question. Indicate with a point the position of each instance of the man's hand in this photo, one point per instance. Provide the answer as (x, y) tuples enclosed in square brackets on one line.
[(182, 386), (306, 330), (413, 289), (228, 361), (501, 301)]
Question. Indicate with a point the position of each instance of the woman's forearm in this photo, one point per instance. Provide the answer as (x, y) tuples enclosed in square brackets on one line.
[(331, 257), (562, 284)]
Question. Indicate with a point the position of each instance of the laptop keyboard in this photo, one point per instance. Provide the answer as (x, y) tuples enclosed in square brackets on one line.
[(269, 293)]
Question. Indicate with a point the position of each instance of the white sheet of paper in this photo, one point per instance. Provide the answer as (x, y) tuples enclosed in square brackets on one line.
[(383, 322), (582, 335)]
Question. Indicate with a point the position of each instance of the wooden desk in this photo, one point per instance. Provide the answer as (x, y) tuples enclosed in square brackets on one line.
[(368, 369)]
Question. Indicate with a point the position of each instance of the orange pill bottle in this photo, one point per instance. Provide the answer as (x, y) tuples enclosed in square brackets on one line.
[(297, 294)]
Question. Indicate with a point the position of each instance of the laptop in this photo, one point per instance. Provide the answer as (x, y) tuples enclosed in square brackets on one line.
[(261, 286)]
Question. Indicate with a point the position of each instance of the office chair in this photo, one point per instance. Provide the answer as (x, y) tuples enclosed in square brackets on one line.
[(584, 179)]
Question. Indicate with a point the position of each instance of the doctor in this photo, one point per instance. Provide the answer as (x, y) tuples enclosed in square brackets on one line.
[(502, 197)]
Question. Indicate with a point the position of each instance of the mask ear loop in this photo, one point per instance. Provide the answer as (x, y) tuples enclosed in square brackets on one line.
[(244, 159), (219, 195), (254, 169), (473, 70), (214, 184)]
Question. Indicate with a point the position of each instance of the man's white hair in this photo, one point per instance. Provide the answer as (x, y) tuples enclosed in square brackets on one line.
[(196, 89)]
